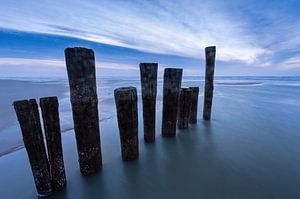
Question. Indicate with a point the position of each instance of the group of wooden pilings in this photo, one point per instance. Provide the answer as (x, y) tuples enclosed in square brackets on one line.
[(48, 170), (180, 107)]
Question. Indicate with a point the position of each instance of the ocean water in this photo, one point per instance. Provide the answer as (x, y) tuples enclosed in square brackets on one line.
[(250, 148)]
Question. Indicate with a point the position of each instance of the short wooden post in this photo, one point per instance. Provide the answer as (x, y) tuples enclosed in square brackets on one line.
[(210, 54), (171, 89), (50, 113), (82, 79), (184, 108), (126, 104), (194, 105), (148, 73), (29, 120)]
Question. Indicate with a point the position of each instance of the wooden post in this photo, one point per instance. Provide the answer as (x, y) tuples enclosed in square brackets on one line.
[(210, 54), (171, 89), (184, 108), (194, 105), (149, 89), (126, 104), (29, 120), (82, 79), (50, 113)]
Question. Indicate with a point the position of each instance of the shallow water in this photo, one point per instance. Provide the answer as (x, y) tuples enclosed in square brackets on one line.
[(250, 149)]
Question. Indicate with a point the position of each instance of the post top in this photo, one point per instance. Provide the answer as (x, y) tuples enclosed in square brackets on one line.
[(186, 90), (20, 102), (24, 102), (125, 89), (174, 69), (76, 49), (194, 88), (210, 48), (49, 100), (32, 100), (148, 63)]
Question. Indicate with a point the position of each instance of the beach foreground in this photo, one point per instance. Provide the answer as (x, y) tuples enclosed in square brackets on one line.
[(250, 149)]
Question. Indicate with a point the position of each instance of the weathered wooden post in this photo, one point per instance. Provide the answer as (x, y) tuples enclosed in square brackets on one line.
[(149, 89), (171, 89), (50, 113), (29, 120), (82, 79), (126, 104), (184, 108), (194, 105), (210, 54)]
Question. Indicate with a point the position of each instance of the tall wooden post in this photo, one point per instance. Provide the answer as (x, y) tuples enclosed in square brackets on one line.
[(126, 104), (194, 105), (149, 89), (171, 89), (184, 108), (210, 54), (50, 113), (29, 120), (82, 79)]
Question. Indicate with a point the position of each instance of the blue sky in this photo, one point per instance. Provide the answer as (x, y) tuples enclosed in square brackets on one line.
[(253, 37)]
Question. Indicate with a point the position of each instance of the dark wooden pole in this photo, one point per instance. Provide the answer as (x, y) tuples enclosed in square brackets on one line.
[(149, 89), (50, 113), (184, 108), (171, 89), (194, 105), (126, 104), (210, 54), (29, 120), (82, 79)]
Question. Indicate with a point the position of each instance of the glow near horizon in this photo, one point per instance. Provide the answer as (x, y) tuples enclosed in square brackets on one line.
[(248, 32)]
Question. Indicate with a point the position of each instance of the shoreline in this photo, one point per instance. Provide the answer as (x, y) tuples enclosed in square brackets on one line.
[(12, 90), (21, 145)]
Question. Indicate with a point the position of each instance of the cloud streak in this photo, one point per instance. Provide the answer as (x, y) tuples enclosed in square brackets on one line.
[(290, 63), (23, 62), (181, 28), (246, 32)]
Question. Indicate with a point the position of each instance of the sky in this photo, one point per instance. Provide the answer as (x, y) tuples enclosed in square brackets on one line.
[(253, 37)]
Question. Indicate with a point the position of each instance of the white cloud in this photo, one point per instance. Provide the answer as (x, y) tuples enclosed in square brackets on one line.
[(181, 28), (290, 63), (23, 62)]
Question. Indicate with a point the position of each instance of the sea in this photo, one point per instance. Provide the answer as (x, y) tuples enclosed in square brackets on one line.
[(250, 148)]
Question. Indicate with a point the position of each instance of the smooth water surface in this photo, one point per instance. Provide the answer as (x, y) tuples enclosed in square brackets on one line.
[(250, 148)]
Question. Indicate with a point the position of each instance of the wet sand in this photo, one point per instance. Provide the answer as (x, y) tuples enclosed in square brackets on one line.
[(11, 90)]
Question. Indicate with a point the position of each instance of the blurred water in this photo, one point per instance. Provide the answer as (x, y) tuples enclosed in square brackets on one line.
[(278, 90), (250, 149)]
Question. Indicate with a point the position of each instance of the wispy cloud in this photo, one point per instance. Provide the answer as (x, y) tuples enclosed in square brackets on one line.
[(181, 28), (259, 33), (24, 62), (290, 63)]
